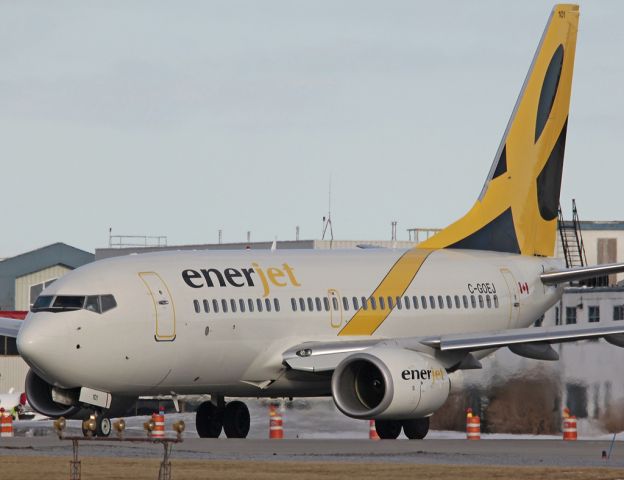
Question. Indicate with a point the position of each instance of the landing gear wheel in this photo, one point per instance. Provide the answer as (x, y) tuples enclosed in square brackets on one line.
[(208, 421), (388, 429), (416, 429), (102, 426), (236, 420)]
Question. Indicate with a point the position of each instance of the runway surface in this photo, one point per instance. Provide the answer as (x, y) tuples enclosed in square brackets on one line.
[(554, 453)]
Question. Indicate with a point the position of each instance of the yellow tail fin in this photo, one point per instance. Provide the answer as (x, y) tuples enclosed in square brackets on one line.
[(517, 209)]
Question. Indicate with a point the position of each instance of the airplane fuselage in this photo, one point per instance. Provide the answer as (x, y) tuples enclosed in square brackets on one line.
[(219, 322)]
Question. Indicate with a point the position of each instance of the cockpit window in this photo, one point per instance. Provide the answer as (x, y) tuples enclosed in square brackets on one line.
[(108, 303), (93, 304), (43, 301), (67, 303)]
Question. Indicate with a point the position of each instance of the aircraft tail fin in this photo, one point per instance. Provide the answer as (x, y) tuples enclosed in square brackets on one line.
[(517, 209)]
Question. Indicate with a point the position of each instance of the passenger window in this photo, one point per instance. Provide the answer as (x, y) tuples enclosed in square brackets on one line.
[(317, 300), (276, 304), (415, 302), (465, 301), (293, 304), (233, 305), (481, 301), (496, 301), (108, 302), (382, 304), (488, 301), (457, 304), (364, 303), (196, 305), (92, 304), (326, 303), (259, 304), (473, 301), (302, 304), (432, 301), (399, 303), (390, 303), (373, 303), (241, 304), (423, 302), (356, 306), (250, 304), (440, 301), (206, 306), (267, 302), (224, 306), (335, 304), (345, 304), (449, 302), (215, 306), (406, 302), (310, 304)]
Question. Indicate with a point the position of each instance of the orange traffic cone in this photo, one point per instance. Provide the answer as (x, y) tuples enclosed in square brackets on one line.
[(372, 431), (473, 426), (276, 429), (6, 424), (159, 424)]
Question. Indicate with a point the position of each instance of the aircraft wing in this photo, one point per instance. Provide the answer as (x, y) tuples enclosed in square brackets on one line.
[(580, 273), (9, 327), (456, 348)]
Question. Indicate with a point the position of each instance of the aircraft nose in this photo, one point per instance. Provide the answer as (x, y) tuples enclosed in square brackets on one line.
[(41, 341)]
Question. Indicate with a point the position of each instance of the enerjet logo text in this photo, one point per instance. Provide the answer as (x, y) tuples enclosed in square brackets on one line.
[(242, 277)]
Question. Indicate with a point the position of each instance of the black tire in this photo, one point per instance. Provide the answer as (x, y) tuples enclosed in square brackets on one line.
[(388, 429), (236, 420), (103, 426), (416, 428), (208, 421)]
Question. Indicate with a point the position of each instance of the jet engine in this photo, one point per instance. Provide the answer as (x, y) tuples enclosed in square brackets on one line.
[(48, 400), (389, 383)]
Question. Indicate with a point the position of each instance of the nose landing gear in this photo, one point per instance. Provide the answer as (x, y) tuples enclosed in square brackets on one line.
[(233, 418), (97, 425)]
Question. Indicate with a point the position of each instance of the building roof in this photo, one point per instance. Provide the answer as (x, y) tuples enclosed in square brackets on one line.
[(602, 225), (34, 261)]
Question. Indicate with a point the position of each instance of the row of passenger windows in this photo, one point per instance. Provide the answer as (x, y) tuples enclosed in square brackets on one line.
[(312, 304), (233, 305)]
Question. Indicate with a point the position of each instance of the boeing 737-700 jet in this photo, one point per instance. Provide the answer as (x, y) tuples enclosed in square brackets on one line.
[(379, 330)]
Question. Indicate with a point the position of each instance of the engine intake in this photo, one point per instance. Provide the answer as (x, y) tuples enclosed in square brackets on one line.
[(40, 398), (390, 383)]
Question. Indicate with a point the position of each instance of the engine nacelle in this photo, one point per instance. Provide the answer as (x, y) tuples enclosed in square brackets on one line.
[(43, 398), (389, 383)]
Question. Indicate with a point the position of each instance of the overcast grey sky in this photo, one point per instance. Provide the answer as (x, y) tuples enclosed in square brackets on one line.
[(183, 118)]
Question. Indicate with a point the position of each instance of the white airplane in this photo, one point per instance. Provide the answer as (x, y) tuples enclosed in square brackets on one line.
[(378, 329)]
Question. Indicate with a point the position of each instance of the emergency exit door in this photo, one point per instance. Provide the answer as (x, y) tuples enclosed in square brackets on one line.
[(164, 310)]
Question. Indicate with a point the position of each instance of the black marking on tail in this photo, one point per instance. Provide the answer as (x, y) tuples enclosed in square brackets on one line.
[(501, 165), (549, 179), (499, 235), (549, 90)]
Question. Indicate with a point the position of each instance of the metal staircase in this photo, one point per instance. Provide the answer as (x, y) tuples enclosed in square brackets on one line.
[(573, 248), (572, 239)]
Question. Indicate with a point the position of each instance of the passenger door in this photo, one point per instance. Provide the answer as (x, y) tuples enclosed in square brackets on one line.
[(164, 309), (514, 297), (335, 308)]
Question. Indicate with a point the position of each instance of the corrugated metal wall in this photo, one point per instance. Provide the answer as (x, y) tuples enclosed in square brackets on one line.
[(23, 284), (13, 372)]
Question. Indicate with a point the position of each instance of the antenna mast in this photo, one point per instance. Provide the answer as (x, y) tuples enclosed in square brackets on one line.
[(327, 223)]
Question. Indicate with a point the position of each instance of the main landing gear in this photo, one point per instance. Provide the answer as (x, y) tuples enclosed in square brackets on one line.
[(414, 429), (233, 418)]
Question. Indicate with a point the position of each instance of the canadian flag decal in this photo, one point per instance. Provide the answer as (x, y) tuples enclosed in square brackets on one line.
[(524, 287)]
